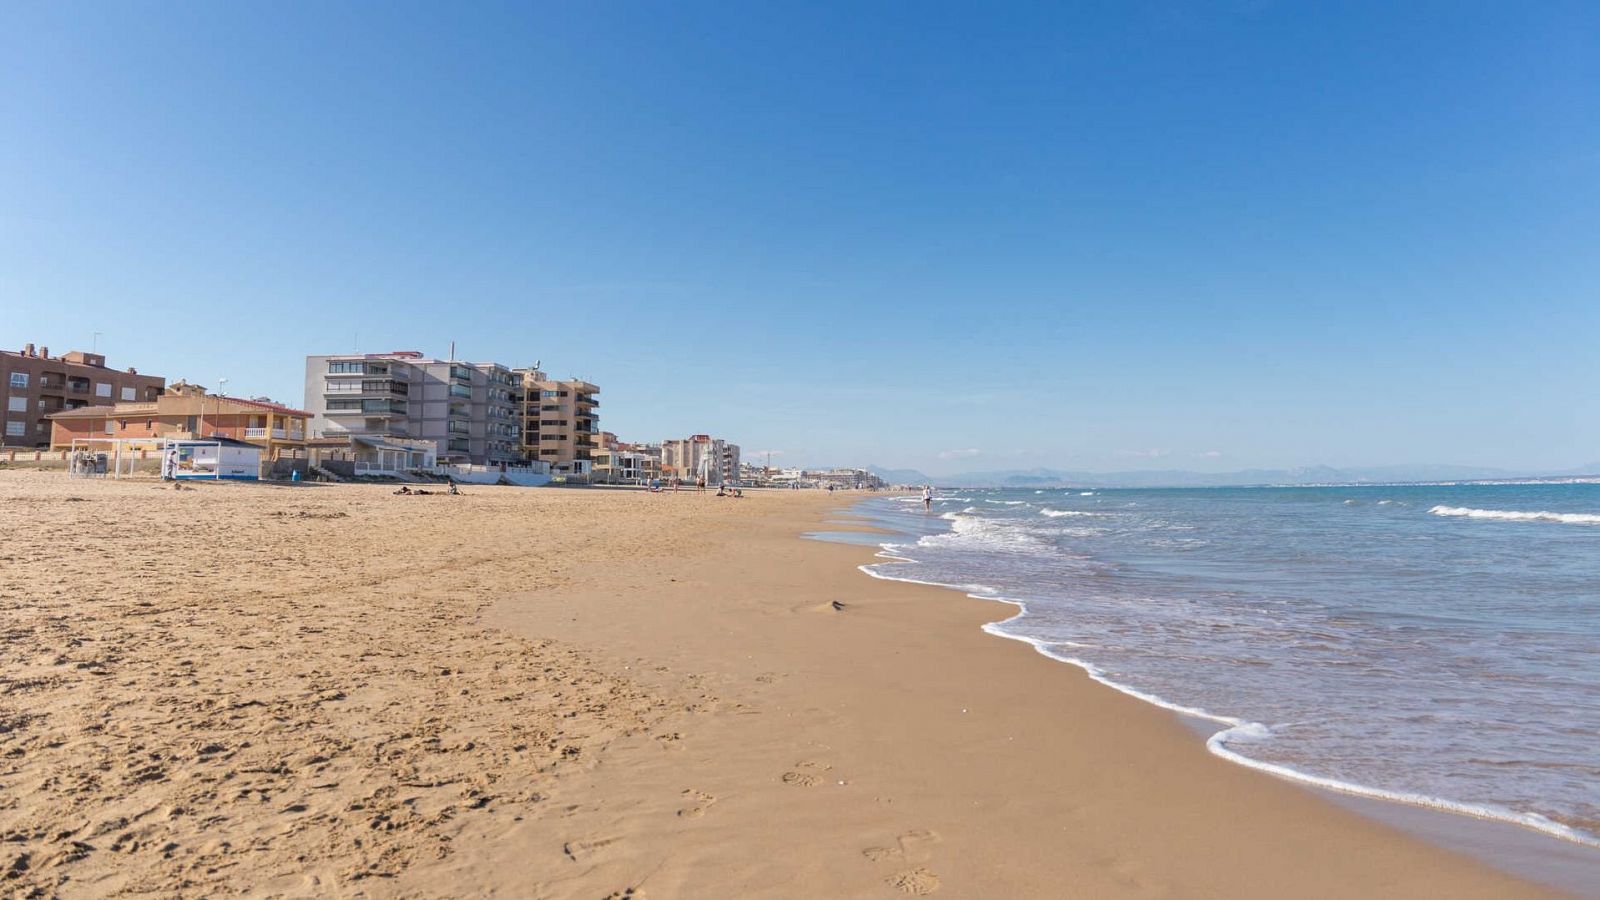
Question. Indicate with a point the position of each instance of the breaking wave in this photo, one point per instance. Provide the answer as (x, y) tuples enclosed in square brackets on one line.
[(1512, 515)]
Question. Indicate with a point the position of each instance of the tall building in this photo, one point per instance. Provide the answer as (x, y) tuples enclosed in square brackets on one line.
[(38, 384), (701, 455), (468, 409), (560, 421)]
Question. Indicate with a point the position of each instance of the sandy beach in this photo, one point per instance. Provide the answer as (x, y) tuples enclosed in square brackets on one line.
[(336, 691)]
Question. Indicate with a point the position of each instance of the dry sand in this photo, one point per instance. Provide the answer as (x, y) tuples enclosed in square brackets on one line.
[(331, 690)]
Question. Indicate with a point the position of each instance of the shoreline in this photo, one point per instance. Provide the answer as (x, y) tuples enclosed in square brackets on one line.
[(1522, 844), (1003, 851), (575, 694)]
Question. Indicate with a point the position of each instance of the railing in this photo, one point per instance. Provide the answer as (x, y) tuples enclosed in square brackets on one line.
[(254, 433)]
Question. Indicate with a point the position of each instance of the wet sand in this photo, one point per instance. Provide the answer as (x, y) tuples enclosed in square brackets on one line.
[(546, 693)]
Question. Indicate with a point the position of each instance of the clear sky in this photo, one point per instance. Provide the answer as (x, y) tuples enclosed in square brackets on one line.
[(1114, 235)]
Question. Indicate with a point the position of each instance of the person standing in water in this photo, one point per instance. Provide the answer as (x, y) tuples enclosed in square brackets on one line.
[(927, 498)]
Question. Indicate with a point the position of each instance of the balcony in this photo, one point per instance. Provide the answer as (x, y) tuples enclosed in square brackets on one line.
[(379, 408), (278, 434)]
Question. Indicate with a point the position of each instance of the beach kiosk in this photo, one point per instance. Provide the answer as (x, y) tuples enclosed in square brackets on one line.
[(214, 458)]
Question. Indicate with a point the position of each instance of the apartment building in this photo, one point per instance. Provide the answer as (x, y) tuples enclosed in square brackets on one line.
[(701, 456), (560, 420), (619, 462), (470, 410), (184, 412), (38, 385)]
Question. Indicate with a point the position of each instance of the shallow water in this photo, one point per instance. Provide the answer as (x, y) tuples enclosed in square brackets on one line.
[(1437, 644)]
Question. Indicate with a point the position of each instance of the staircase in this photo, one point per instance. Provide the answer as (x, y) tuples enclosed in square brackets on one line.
[(326, 474)]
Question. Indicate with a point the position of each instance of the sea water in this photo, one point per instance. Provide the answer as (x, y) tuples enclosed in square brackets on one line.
[(1432, 644)]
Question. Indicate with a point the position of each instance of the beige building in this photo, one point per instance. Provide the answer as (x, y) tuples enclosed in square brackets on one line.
[(700, 456), (38, 385), (619, 462), (189, 412), (560, 420)]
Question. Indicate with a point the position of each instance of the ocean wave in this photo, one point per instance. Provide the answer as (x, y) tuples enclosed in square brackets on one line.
[(1236, 731), (1058, 513), (990, 534), (1513, 515), (1007, 502), (1086, 493)]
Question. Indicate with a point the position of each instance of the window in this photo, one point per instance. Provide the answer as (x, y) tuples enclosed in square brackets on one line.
[(111, 426), (16, 429), (19, 379), (18, 404), (129, 393), (345, 368), (102, 389)]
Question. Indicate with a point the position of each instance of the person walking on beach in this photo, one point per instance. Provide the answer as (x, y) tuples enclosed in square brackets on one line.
[(927, 498)]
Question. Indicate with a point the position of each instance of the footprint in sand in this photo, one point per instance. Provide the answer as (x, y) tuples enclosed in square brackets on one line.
[(699, 802), (918, 881), (806, 774), (910, 846), (626, 894)]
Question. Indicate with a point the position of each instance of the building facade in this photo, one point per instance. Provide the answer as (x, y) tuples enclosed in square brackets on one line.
[(188, 412), (38, 385), (560, 420), (470, 410), (619, 462), (701, 456)]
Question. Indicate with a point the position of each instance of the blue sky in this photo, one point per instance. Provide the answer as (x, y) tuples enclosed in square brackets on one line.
[(1115, 235)]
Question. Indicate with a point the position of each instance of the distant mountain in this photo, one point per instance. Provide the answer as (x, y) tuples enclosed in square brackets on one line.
[(901, 476), (1035, 478)]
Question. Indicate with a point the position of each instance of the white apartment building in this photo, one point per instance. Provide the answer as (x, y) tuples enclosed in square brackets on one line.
[(470, 410)]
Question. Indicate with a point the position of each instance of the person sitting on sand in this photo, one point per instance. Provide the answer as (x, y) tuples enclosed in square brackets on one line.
[(403, 490), (454, 491)]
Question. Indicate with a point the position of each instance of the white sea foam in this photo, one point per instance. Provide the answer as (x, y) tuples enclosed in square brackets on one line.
[(1235, 732), (1007, 502), (1058, 513), (1512, 515), (1086, 493)]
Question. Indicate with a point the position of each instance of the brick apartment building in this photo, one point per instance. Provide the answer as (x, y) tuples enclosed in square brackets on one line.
[(38, 385)]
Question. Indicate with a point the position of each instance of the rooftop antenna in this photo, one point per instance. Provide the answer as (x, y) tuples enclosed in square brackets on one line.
[(94, 345), (452, 351)]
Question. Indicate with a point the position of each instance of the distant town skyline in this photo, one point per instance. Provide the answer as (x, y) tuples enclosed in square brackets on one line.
[(1120, 237)]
